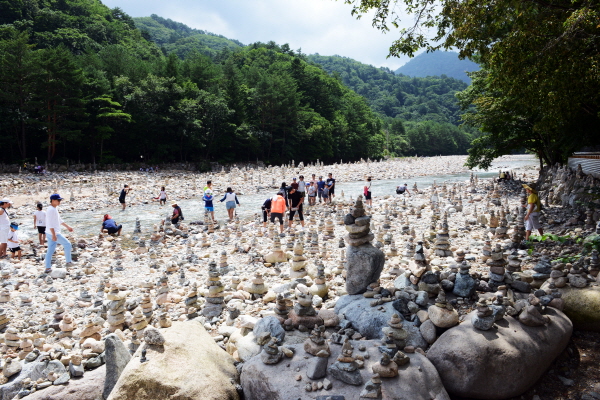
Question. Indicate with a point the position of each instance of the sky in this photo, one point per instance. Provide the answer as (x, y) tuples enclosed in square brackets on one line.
[(317, 26)]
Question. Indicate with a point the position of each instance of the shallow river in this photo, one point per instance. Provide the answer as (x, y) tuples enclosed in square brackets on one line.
[(89, 222)]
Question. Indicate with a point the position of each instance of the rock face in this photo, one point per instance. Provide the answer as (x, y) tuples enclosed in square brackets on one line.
[(363, 266), (498, 364), (117, 357), (582, 306), (189, 366), (89, 387), (417, 380)]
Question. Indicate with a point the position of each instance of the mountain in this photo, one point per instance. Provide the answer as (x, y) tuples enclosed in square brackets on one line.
[(178, 38), (438, 63)]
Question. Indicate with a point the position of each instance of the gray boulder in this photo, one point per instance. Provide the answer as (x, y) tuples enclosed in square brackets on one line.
[(88, 387), (499, 363), (117, 357), (269, 324), (417, 380), (364, 264), (464, 285)]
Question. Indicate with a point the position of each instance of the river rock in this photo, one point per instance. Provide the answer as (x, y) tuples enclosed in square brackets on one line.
[(442, 317), (428, 331), (272, 325), (582, 306), (417, 380), (499, 363), (189, 366), (364, 264), (88, 387), (117, 357)]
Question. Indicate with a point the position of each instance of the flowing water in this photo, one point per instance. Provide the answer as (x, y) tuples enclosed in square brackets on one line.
[(90, 222)]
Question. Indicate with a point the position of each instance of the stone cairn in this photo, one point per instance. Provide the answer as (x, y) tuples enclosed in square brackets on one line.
[(502, 229), (395, 331), (138, 226), (358, 225), (146, 305), (372, 389), (418, 265), (298, 263), (386, 368), (487, 315), (464, 284), (191, 301), (594, 267), (258, 287), (214, 297), (116, 308), (442, 240), (320, 288), (497, 264), (271, 354), (346, 368), (282, 307), (316, 344)]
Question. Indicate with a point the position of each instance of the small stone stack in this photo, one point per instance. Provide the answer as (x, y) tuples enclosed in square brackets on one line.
[(514, 262), (442, 240), (386, 368), (464, 284), (594, 267), (486, 252), (116, 308), (214, 298), (316, 343), (282, 308), (258, 287), (577, 277), (497, 264), (493, 223), (589, 220), (191, 301), (4, 320), (358, 225), (138, 226), (271, 354), (298, 263), (146, 305), (67, 325), (418, 266), (395, 331), (138, 321), (319, 288), (501, 231), (345, 368), (409, 247), (163, 296), (328, 230), (557, 276), (91, 329), (372, 389)]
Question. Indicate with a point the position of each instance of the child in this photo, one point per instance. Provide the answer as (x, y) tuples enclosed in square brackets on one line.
[(208, 203), (13, 241), (39, 223)]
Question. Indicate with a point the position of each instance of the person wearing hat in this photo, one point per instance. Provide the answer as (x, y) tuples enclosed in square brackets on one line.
[(177, 214), (53, 224), (4, 226), (13, 241), (111, 226), (532, 216)]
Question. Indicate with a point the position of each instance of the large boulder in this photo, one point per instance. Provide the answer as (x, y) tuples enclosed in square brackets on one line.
[(582, 306), (369, 321), (364, 264), (117, 357), (417, 380), (502, 362), (88, 387), (189, 366), (33, 370)]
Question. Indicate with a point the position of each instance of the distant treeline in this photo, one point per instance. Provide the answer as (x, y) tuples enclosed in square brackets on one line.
[(80, 82)]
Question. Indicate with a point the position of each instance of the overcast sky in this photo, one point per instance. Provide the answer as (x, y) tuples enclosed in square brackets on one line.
[(317, 26)]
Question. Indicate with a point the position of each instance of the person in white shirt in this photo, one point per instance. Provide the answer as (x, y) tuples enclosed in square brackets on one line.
[(39, 223), (53, 224), (4, 226), (13, 241), (162, 197)]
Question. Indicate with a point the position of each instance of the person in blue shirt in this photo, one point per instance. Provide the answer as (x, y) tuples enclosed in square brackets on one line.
[(320, 187), (110, 225), (208, 203)]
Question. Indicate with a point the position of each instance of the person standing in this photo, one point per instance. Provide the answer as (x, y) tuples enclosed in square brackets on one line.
[(124, 193), (367, 192), (532, 216), (208, 204), (302, 186), (295, 204), (53, 224), (278, 208), (331, 186), (162, 197), (208, 186), (230, 200), (39, 223), (320, 187), (13, 241), (312, 194), (4, 226)]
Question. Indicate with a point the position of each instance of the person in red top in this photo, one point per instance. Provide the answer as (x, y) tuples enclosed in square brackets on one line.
[(278, 208)]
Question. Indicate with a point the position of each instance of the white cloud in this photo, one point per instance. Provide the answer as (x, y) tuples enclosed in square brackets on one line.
[(317, 26)]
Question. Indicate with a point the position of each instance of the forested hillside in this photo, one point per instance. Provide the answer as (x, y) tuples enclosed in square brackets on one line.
[(438, 63), (80, 82), (178, 38), (421, 115)]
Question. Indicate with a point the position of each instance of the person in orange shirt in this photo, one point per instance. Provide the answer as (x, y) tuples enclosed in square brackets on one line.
[(278, 208)]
